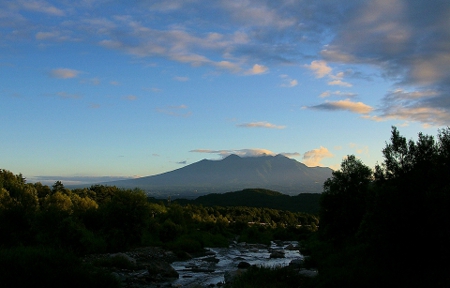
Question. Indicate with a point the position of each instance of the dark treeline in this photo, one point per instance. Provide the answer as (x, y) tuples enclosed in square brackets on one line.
[(387, 227), (304, 202)]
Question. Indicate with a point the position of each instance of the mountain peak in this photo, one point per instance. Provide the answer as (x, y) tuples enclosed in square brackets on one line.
[(232, 157)]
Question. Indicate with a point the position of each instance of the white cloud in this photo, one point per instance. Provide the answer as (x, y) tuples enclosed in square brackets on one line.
[(313, 157), (339, 82), (320, 68), (261, 125), (64, 73), (257, 69)]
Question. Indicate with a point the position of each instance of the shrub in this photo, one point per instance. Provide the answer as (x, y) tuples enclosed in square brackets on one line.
[(45, 267)]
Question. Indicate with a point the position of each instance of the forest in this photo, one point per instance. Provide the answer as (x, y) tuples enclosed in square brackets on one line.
[(386, 226)]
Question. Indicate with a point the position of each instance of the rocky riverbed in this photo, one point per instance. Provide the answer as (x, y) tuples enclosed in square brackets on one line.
[(155, 267)]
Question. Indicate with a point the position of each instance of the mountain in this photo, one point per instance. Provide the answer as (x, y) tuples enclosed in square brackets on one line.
[(233, 173), (261, 198)]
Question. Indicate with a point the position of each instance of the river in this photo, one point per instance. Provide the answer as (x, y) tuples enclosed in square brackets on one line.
[(211, 269)]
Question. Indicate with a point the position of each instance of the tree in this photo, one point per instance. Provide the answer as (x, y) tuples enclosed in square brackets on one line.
[(343, 202)]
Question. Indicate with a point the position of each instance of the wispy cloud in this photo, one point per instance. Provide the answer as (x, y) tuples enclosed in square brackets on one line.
[(64, 73), (181, 78), (337, 93), (261, 125), (288, 81), (313, 157), (130, 97), (40, 6), (252, 152), (178, 111), (65, 95), (347, 105)]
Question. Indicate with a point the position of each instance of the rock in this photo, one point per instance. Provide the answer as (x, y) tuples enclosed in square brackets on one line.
[(160, 270), (211, 259), (308, 273), (277, 254), (291, 247), (278, 242), (243, 265), (210, 253), (125, 256), (231, 275), (297, 263), (205, 270)]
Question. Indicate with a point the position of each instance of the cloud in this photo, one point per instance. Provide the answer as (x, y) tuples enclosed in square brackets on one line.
[(178, 111), (65, 95), (359, 149), (182, 162), (76, 180), (337, 93), (261, 125), (253, 152), (355, 107), (288, 82), (339, 82), (291, 154), (181, 78), (130, 97), (313, 157), (64, 73), (320, 68), (40, 6), (428, 107), (257, 69)]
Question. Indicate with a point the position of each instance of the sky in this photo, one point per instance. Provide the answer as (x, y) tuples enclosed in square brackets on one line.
[(102, 89)]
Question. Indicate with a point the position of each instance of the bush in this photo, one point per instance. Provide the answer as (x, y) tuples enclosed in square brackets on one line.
[(273, 277), (45, 267)]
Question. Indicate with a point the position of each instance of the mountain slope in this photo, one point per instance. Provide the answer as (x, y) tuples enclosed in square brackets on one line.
[(234, 173)]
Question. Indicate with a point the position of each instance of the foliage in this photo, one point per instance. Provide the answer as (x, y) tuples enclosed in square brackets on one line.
[(45, 267), (270, 277), (372, 224)]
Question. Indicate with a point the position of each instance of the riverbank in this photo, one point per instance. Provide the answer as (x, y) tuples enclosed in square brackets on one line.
[(215, 267)]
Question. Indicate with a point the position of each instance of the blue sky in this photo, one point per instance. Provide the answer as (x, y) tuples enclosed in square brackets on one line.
[(100, 89)]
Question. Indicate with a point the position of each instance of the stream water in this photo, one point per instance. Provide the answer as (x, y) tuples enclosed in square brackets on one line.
[(211, 269)]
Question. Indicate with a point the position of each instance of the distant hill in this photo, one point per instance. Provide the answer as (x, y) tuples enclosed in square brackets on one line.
[(233, 173), (306, 202)]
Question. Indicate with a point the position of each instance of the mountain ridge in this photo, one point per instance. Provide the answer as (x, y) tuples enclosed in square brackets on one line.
[(233, 173)]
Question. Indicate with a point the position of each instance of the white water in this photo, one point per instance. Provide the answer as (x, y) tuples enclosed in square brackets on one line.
[(229, 259)]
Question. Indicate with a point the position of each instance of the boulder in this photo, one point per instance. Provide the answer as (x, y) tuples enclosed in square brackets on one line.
[(160, 270), (211, 259), (296, 263), (231, 275), (243, 265), (277, 254), (291, 247), (124, 256)]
